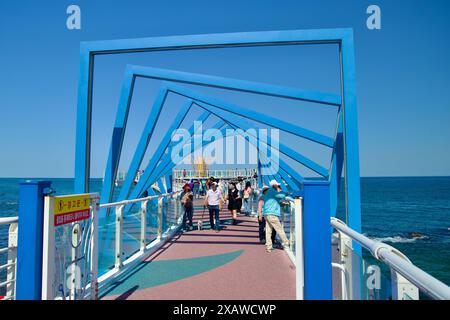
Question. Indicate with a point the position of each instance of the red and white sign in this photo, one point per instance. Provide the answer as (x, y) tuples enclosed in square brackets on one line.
[(70, 217)]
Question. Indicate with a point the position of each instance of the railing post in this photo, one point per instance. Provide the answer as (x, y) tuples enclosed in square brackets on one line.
[(119, 226), (299, 260), (402, 288), (94, 249), (143, 225), (29, 250), (346, 259), (12, 261)]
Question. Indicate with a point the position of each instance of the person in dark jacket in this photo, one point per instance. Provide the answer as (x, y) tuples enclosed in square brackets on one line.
[(233, 201)]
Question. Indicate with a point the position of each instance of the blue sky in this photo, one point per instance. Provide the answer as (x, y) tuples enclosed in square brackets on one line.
[(403, 76)]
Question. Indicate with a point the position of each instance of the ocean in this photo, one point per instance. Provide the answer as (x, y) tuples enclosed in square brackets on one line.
[(409, 213)]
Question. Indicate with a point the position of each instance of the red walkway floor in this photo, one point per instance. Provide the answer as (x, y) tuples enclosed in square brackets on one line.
[(251, 273)]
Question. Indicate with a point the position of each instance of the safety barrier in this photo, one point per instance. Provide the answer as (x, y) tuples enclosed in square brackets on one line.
[(7, 284), (397, 278), (188, 174), (169, 219)]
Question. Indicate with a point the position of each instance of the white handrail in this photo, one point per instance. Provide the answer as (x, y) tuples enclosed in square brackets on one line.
[(9, 220), (126, 202), (398, 262), (11, 251)]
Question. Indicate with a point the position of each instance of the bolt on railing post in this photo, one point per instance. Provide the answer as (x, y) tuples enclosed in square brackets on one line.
[(143, 224), (119, 226), (401, 287), (12, 261)]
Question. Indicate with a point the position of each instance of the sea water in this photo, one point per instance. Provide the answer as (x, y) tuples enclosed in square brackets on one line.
[(410, 213)]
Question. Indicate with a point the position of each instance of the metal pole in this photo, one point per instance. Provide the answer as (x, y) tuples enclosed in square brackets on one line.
[(29, 250), (119, 226), (299, 262)]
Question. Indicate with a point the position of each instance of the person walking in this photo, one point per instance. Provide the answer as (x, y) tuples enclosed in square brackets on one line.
[(187, 199), (272, 212), (196, 189), (212, 201), (247, 193), (233, 197), (239, 189), (262, 220)]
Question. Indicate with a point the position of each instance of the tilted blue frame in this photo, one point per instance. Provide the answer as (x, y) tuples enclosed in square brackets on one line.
[(345, 149), (342, 37)]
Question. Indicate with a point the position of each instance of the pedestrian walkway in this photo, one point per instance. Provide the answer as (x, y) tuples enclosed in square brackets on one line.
[(205, 264)]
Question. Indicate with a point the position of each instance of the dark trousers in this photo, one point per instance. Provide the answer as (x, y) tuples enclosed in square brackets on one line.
[(188, 213), (262, 232), (214, 215)]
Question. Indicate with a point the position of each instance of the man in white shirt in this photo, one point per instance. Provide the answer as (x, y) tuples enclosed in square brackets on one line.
[(213, 199)]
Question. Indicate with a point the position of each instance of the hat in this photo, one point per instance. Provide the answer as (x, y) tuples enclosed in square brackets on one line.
[(265, 188), (274, 183), (186, 186)]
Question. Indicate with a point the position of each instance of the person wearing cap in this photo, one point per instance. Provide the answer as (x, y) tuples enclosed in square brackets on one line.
[(187, 198), (262, 221), (212, 201), (272, 212)]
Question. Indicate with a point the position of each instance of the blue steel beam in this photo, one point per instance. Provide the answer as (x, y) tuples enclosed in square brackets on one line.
[(282, 172), (218, 40), (242, 123), (118, 135), (204, 80), (149, 171), (144, 141), (166, 159), (336, 167), (166, 164), (89, 49), (351, 146), (235, 84), (143, 184), (214, 105), (134, 71)]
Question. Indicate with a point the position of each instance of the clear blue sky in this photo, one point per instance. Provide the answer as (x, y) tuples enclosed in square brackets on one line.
[(403, 76)]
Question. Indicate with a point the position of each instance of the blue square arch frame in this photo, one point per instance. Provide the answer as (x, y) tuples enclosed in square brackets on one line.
[(343, 37)]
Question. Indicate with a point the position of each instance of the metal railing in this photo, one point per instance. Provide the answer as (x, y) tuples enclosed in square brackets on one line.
[(10, 251), (169, 217), (407, 279), (188, 174)]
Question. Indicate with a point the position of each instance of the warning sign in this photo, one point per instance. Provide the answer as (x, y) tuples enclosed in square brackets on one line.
[(69, 209)]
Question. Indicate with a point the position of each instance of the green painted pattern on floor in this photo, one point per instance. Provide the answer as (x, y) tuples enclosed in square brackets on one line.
[(155, 273)]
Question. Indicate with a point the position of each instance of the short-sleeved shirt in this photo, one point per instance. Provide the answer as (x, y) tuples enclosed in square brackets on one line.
[(214, 197)]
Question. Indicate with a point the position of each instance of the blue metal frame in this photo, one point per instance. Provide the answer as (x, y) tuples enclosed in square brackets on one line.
[(149, 172), (341, 37), (345, 143)]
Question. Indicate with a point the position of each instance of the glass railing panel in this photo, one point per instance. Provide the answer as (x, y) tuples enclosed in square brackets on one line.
[(366, 278), (151, 229), (131, 230), (106, 241)]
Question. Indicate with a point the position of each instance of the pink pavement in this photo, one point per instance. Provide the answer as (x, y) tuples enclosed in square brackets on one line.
[(255, 274)]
